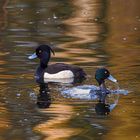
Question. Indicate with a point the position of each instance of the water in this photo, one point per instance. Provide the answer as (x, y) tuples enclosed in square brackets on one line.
[(89, 34)]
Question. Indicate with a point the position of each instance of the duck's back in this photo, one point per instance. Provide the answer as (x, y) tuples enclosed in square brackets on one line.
[(60, 67)]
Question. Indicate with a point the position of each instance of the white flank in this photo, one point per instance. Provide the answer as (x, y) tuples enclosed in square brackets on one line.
[(60, 75)]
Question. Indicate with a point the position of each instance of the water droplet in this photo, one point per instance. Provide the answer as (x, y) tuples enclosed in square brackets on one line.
[(25, 119), (77, 114), (20, 121), (37, 12), (18, 94), (96, 19), (33, 96), (54, 16), (135, 28), (100, 133), (45, 22), (124, 38), (21, 9), (30, 22), (133, 101)]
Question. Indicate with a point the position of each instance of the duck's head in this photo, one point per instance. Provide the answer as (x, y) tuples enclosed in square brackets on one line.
[(102, 74), (43, 52)]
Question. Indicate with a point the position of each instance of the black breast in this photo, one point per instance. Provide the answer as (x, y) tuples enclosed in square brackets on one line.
[(55, 68)]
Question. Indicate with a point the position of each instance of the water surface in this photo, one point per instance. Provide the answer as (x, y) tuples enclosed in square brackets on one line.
[(87, 33)]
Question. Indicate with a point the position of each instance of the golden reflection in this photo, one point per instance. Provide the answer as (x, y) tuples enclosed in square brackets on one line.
[(124, 22), (2, 62), (4, 123), (6, 76), (123, 47), (3, 15), (83, 26), (83, 23), (56, 127), (126, 127)]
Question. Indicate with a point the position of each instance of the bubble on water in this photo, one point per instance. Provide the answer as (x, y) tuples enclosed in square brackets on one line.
[(96, 19), (20, 121), (77, 114), (25, 119), (30, 22), (4, 98), (18, 94), (33, 96), (21, 9), (100, 133), (37, 12), (44, 22), (6, 102), (124, 38), (135, 28), (54, 16), (133, 102)]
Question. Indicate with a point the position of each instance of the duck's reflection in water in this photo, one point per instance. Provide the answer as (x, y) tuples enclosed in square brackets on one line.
[(44, 97), (57, 126), (102, 108), (57, 116)]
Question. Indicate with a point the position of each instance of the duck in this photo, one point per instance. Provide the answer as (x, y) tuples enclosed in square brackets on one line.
[(58, 72), (92, 92)]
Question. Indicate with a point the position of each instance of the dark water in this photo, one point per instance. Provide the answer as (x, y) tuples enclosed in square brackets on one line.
[(88, 33)]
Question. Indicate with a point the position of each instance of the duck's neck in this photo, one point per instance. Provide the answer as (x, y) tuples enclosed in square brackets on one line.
[(103, 87), (43, 65), (40, 72), (44, 60)]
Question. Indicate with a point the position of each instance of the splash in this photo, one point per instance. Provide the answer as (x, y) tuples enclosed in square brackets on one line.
[(88, 92), (91, 92)]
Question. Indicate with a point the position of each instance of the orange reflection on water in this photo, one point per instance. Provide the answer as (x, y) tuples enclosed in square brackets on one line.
[(123, 47), (6, 76), (124, 21), (56, 127), (83, 23), (126, 126), (83, 27), (4, 121)]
